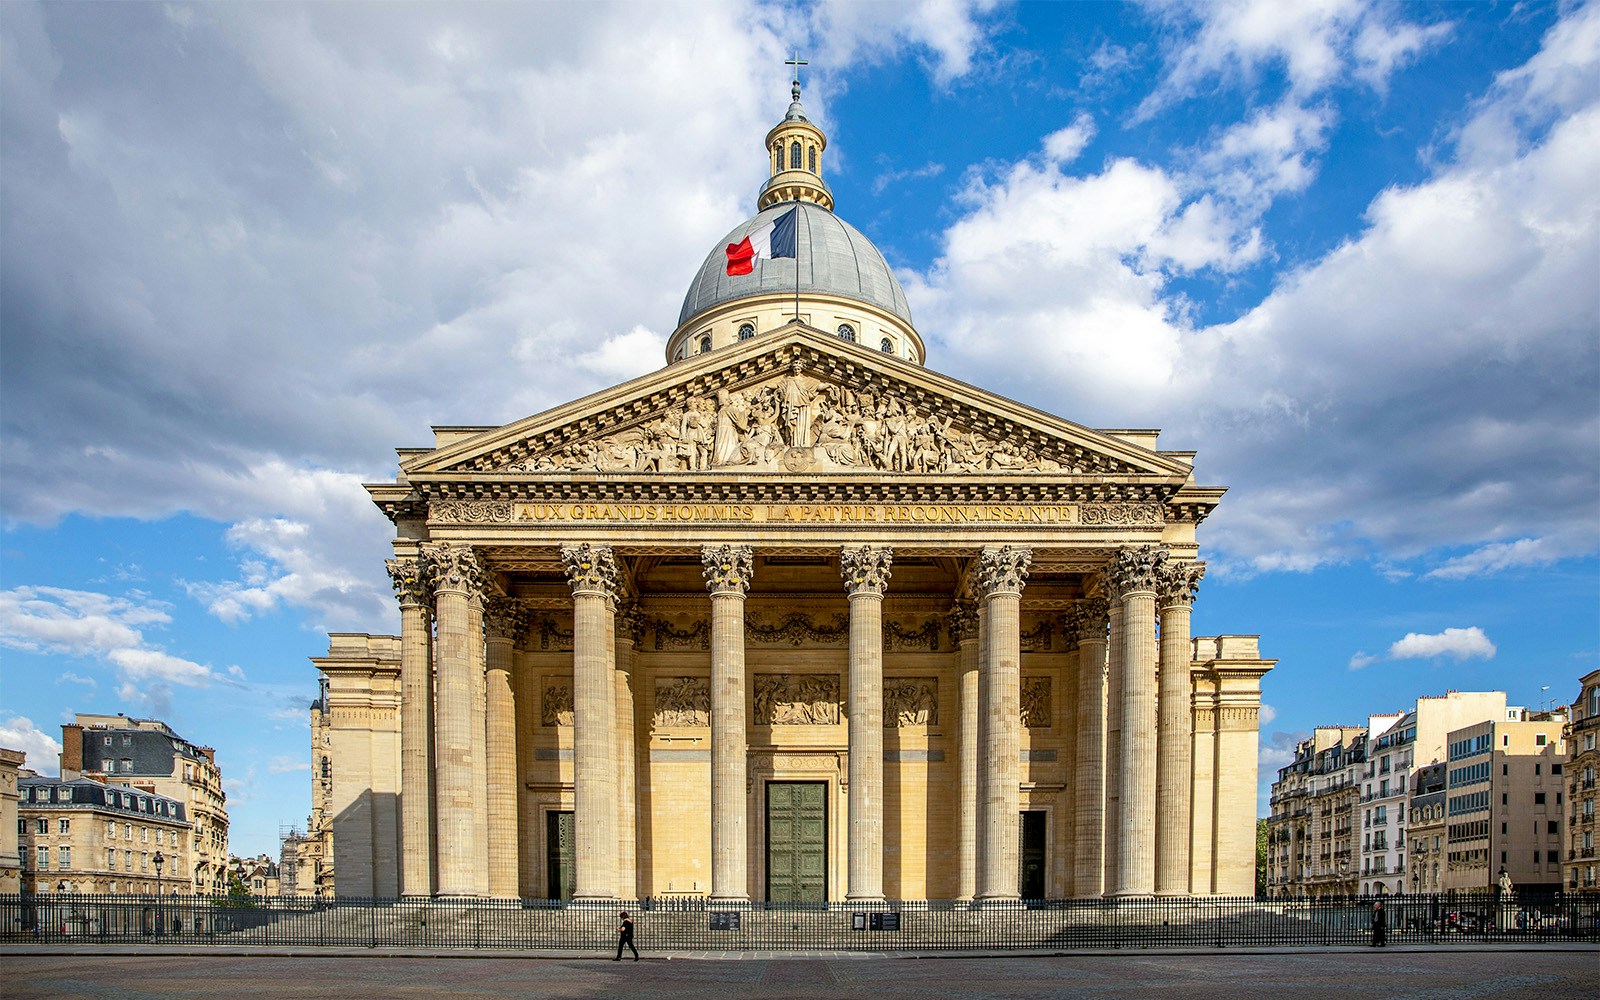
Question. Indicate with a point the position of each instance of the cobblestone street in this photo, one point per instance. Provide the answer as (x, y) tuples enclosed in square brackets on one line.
[(1351, 973)]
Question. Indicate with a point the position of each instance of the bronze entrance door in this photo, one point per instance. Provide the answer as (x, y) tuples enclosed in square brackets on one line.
[(559, 852), (1030, 878), (797, 841)]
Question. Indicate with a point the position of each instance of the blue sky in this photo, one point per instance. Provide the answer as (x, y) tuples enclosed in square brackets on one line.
[(1348, 252)]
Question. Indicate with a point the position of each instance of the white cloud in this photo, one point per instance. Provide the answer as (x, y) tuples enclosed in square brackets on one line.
[(44, 751), (1063, 145), (1268, 713), (1360, 660), (1498, 556), (1456, 643), (285, 764)]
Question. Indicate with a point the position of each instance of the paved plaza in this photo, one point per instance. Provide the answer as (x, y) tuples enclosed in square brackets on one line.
[(1443, 974)]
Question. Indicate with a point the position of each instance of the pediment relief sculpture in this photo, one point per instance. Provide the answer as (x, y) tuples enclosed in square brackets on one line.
[(798, 423)]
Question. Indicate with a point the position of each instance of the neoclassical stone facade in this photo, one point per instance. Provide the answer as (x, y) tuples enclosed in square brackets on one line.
[(795, 618)]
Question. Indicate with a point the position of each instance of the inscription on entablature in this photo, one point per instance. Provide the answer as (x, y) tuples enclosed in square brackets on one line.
[(1035, 703), (910, 701), (555, 706), (683, 701), (796, 699)]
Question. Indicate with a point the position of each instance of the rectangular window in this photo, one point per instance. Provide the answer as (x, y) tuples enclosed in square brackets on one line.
[(1555, 767), (144, 834), (1504, 798), (1538, 798), (127, 831), (64, 857), (1505, 769), (111, 828), (127, 860), (108, 741), (111, 862), (1540, 739), (1536, 768), (1552, 856), (1502, 829), (44, 858), (22, 827), (41, 826), (1502, 857), (127, 741), (144, 861), (65, 826), (1553, 827), (106, 764)]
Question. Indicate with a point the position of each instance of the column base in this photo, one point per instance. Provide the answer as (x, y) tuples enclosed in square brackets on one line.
[(728, 902), (593, 901), (865, 899), (1010, 901)]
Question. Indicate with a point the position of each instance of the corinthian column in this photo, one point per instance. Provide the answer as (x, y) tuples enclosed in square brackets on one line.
[(505, 620), (866, 573), (727, 573), (630, 627), (1112, 839), (458, 581), (964, 631), (1088, 870), (413, 588), (592, 571), (1134, 573), (1002, 571), (1175, 729)]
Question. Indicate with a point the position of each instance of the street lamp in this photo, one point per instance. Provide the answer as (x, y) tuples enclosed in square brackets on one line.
[(159, 860)]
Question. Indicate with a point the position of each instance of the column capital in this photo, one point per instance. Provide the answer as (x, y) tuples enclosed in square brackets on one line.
[(865, 568), (1003, 569), (506, 618), (1178, 582), (591, 569), (1135, 569), (455, 566), (631, 621), (412, 579), (962, 620), (727, 568)]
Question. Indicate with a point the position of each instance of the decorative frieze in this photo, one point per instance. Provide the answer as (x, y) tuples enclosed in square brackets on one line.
[(796, 699), (590, 569), (1037, 639), (727, 568), (413, 581), (1035, 711), (1003, 569), (471, 512), (1118, 514), (555, 703), (683, 701), (552, 637), (664, 636), (865, 569), (797, 628), (910, 701), (898, 637)]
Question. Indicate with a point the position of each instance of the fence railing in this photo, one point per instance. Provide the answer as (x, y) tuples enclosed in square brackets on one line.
[(681, 925)]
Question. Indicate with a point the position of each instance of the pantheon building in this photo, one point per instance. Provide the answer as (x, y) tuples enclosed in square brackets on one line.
[(794, 618)]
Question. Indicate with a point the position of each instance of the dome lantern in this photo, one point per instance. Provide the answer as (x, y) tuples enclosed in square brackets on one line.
[(794, 155)]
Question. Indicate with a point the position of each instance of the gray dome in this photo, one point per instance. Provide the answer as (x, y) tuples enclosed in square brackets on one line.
[(834, 259)]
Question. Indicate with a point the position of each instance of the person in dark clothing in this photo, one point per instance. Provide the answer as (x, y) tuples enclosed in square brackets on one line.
[(625, 937), (1380, 923)]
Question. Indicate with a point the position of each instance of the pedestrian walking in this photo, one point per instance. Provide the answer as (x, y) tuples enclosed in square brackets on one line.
[(625, 937), (1380, 928)]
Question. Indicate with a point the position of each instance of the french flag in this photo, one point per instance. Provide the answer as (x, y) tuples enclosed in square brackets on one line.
[(775, 239)]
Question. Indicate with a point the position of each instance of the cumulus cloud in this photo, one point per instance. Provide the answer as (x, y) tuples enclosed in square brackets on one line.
[(1454, 643), (44, 751), (1473, 285), (285, 764)]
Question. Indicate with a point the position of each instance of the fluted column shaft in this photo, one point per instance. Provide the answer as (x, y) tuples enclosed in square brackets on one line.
[(964, 630), (1089, 856), (504, 622), (1175, 731), (480, 746), (414, 589), (866, 574), (1113, 776), (628, 627), (592, 572), (1002, 571), (458, 579), (1136, 570), (727, 571)]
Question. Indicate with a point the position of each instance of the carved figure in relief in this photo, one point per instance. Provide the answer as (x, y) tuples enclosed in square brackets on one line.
[(1035, 703), (733, 423), (683, 701), (910, 701), (556, 706), (796, 699)]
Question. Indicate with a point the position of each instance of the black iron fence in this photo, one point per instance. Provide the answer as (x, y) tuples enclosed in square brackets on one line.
[(689, 925)]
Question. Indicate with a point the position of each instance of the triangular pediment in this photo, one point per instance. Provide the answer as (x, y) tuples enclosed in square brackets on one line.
[(794, 402)]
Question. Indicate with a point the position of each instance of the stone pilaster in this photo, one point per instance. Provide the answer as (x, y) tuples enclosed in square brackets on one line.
[(1002, 573), (458, 582), (505, 620), (413, 588), (963, 624), (727, 571), (630, 629), (865, 570), (1135, 573), (1175, 729), (1088, 870), (592, 572)]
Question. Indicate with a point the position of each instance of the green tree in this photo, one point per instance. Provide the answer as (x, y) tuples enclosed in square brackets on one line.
[(1261, 858), (238, 895)]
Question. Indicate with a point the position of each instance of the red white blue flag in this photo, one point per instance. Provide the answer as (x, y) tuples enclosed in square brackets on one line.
[(775, 239)]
